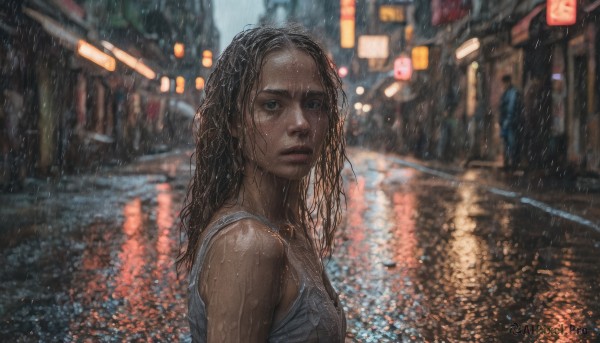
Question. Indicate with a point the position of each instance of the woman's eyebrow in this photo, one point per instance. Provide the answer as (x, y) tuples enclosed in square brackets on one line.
[(286, 93)]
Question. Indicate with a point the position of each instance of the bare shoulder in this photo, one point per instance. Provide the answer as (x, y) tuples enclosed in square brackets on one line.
[(246, 254), (250, 235), (240, 282)]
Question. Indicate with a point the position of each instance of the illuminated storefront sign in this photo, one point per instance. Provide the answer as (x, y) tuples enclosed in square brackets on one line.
[(373, 46), (467, 48), (94, 54), (133, 63), (392, 13), (420, 57), (561, 12), (403, 68), (347, 21)]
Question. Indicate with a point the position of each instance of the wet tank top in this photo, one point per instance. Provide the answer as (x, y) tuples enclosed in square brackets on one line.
[(313, 316)]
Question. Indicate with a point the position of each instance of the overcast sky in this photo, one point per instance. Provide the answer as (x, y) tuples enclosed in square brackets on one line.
[(232, 15)]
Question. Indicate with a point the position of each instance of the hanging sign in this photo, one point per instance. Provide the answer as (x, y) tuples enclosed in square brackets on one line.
[(561, 12), (376, 46), (392, 13), (402, 68), (420, 57), (448, 11), (347, 23)]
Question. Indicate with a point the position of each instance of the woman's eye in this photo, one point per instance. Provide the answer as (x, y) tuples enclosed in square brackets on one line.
[(314, 104), (271, 105)]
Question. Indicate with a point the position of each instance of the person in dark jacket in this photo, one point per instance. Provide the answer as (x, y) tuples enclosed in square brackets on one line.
[(510, 122)]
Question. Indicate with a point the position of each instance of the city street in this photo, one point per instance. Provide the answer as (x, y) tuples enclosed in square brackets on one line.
[(424, 255)]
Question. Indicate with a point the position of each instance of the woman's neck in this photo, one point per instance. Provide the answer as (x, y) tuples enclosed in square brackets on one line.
[(269, 196)]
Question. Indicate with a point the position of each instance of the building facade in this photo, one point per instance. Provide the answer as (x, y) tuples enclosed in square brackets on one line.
[(81, 81)]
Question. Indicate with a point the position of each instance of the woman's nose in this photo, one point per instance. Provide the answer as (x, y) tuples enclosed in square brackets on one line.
[(299, 123)]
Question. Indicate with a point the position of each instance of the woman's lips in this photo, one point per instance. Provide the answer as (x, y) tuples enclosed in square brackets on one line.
[(297, 154)]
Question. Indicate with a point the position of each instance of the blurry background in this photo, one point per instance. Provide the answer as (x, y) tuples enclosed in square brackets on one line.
[(439, 241)]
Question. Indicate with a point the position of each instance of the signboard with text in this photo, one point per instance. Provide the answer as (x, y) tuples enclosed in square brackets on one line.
[(392, 14), (347, 23), (373, 46), (420, 57)]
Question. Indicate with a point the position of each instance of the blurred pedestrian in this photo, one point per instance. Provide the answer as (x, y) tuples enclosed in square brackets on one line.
[(446, 146), (511, 108), (12, 138), (265, 199)]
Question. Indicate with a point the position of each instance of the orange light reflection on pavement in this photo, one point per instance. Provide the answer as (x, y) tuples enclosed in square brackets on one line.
[(164, 273), (562, 302), (129, 283), (405, 236), (355, 228)]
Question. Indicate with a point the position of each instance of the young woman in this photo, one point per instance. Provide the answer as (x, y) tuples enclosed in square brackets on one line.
[(264, 202)]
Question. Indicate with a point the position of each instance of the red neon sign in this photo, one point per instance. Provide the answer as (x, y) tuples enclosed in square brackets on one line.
[(561, 12), (403, 68)]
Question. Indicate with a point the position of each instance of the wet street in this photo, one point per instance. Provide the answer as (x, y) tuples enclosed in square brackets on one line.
[(423, 256)]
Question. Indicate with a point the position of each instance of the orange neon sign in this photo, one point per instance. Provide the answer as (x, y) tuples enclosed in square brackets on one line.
[(347, 22), (420, 57)]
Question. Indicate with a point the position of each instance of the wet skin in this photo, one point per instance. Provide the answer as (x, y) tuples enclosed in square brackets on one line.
[(283, 136), (290, 122)]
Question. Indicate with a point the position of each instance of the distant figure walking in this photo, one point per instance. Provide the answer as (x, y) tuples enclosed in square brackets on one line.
[(511, 106)]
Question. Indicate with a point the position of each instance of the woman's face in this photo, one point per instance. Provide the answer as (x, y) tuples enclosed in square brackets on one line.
[(289, 114)]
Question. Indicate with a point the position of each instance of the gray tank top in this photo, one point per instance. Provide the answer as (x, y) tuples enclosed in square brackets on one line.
[(313, 317)]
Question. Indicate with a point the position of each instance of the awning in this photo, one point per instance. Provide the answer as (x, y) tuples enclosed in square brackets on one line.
[(520, 32), (523, 7), (66, 37), (404, 92), (592, 6), (73, 41)]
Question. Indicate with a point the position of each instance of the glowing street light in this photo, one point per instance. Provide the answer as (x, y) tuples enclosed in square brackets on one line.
[(94, 54), (134, 63), (467, 47), (392, 89), (165, 84), (207, 58), (360, 90), (199, 83), (179, 85), (179, 50), (420, 57)]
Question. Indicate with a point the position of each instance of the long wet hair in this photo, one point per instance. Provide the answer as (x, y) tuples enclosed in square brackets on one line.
[(219, 157)]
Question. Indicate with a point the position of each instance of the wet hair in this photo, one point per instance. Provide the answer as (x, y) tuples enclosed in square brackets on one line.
[(506, 79), (229, 90)]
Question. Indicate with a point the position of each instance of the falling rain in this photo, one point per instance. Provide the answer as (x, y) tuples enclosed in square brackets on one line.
[(472, 189)]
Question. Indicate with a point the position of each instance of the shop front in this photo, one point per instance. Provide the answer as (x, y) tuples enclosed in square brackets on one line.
[(536, 42)]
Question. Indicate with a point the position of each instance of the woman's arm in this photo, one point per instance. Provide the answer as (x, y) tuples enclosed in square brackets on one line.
[(241, 282)]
